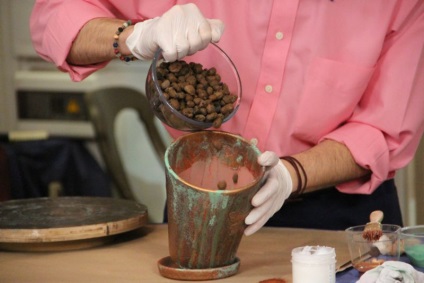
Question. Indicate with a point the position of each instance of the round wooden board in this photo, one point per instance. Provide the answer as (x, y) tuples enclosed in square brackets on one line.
[(66, 223)]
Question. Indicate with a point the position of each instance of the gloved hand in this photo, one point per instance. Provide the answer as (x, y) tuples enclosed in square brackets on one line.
[(271, 196), (392, 272), (180, 31)]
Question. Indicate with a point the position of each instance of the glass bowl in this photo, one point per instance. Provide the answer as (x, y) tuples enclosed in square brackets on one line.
[(197, 100), (412, 243), (366, 255)]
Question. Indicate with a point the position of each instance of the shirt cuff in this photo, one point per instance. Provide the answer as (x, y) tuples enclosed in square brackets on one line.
[(62, 31), (369, 149)]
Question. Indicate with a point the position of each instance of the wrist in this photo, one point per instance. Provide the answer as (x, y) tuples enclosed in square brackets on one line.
[(123, 47), (292, 173), (297, 173), (120, 48)]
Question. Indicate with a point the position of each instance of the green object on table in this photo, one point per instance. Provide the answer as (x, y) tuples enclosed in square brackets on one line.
[(416, 255)]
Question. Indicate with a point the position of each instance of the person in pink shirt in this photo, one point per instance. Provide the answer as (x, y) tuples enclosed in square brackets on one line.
[(334, 87)]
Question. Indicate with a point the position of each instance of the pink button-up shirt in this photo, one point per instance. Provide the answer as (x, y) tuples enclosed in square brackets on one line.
[(350, 71)]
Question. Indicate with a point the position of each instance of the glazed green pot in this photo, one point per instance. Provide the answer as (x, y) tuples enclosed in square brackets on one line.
[(211, 177)]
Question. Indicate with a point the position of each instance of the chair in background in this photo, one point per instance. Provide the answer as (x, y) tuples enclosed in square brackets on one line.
[(104, 105)]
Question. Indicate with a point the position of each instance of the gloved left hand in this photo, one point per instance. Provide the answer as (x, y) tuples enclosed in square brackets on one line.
[(271, 196)]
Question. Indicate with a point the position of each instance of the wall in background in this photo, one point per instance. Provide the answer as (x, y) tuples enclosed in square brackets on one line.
[(410, 183)]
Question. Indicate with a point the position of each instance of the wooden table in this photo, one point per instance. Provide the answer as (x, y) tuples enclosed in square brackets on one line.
[(132, 257)]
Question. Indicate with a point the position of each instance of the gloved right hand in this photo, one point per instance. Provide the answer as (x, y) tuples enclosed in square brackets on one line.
[(180, 31), (273, 193)]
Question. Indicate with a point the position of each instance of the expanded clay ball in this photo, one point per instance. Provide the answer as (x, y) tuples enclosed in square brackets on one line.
[(196, 92), (222, 185), (235, 178)]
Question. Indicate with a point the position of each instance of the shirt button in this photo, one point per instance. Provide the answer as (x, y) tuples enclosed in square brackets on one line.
[(279, 35), (268, 88)]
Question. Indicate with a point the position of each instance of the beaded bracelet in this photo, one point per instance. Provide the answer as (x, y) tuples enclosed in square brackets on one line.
[(116, 45), (301, 182)]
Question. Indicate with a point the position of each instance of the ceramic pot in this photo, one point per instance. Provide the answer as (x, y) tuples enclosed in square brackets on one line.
[(206, 220)]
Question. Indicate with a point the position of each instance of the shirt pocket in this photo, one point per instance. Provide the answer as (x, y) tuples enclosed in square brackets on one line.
[(331, 92)]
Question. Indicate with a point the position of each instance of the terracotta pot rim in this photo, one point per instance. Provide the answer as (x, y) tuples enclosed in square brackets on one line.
[(219, 132)]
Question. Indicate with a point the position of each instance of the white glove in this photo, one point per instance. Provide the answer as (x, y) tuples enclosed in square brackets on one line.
[(392, 272), (271, 196), (180, 31)]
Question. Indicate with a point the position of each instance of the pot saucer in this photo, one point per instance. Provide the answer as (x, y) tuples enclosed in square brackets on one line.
[(168, 268)]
